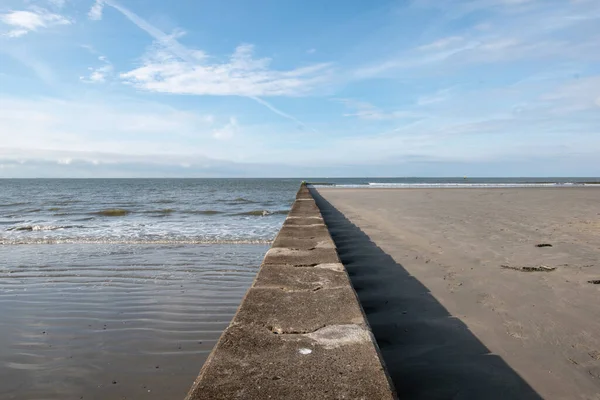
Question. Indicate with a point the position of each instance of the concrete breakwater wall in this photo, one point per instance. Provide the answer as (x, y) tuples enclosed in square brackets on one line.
[(300, 332)]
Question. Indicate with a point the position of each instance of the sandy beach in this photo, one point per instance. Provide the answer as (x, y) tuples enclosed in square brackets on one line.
[(442, 275)]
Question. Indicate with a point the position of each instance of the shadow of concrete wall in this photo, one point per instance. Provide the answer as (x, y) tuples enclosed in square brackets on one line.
[(429, 353)]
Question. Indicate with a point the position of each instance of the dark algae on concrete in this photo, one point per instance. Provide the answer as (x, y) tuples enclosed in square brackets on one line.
[(300, 332)]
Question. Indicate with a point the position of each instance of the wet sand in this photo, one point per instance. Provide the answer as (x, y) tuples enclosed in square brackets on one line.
[(115, 321), (438, 272)]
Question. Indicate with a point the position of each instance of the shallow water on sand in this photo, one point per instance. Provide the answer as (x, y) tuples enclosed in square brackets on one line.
[(115, 321)]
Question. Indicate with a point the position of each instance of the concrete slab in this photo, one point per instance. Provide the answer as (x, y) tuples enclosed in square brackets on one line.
[(308, 243), (300, 257), (302, 278), (252, 363), (304, 213), (303, 231), (310, 221), (299, 312), (304, 206)]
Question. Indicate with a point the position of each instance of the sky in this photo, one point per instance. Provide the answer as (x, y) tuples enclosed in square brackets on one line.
[(270, 88)]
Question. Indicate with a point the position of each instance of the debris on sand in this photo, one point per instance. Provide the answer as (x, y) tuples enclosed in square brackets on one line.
[(539, 268), (543, 245), (595, 281)]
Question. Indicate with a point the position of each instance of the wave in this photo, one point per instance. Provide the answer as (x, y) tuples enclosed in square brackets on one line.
[(164, 201), (239, 200), (43, 227), (113, 212), (21, 241), (164, 211), (203, 212), (14, 204), (262, 213), (65, 202)]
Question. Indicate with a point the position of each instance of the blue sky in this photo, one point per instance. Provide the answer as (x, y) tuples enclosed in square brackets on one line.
[(299, 88)]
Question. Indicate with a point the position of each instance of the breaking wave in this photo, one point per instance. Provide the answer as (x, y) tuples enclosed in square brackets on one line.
[(42, 227), (262, 213), (22, 241)]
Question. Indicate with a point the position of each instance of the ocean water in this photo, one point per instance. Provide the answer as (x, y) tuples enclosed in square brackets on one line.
[(143, 210), (119, 289)]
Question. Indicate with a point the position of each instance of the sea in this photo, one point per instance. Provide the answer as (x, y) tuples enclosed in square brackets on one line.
[(119, 288)]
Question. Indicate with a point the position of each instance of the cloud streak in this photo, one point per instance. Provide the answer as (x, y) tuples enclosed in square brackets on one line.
[(99, 74), (513, 30), (367, 111), (171, 67)]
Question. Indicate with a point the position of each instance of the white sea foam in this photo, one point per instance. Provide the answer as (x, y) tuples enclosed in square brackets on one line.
[(26, 241), (39, 227)]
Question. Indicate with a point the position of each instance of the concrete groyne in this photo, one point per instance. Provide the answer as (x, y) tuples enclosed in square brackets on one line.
[(300, 332)]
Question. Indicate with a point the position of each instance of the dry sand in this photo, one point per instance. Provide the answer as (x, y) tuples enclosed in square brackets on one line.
[(451, 321)]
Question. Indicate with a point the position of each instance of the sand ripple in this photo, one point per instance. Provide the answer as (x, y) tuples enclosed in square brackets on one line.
[(143, 316)]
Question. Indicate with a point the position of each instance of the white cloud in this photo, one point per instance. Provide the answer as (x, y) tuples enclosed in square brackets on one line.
[(228, 131), (23, 22), (95, 12), (15, 33), (240, 75), (514, 30), (116, 125), (99, 74), (171, 67)]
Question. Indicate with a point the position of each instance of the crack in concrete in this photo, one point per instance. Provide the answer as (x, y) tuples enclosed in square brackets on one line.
[(281, 331), (330, 336), (315, 288)]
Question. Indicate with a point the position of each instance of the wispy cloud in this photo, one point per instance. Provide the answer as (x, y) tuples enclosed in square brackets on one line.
[(95, 12), (99, 74), (24, 21), (368, 111), (513, 30), (170, 67), (437, 97), (441, 43), (58, 3), (228, 131), (115, 125), (240, 75)]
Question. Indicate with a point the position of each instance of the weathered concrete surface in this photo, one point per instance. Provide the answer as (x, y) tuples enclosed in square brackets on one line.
[(301, 257), (253, 363), (306, 243), (300, 332), (322, 276), (300, 311)]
